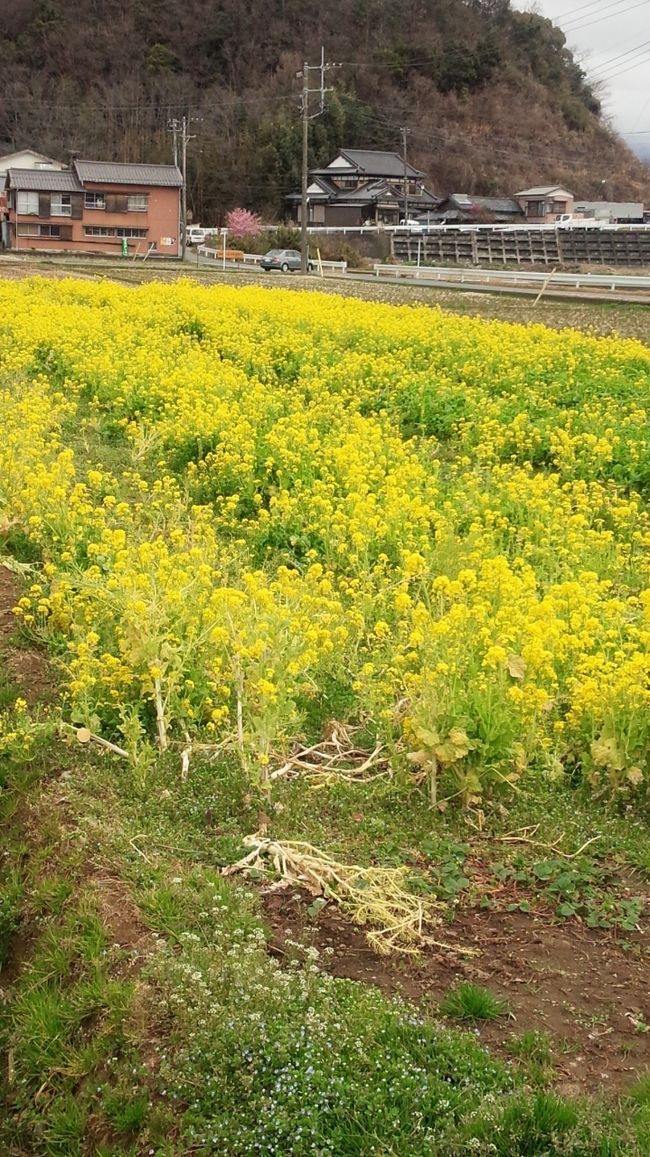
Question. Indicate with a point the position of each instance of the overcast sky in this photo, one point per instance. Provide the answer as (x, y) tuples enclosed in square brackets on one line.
[(611, 40)]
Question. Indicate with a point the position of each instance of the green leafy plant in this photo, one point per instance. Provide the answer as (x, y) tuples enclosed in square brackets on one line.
[(576, 888), (439, 752)]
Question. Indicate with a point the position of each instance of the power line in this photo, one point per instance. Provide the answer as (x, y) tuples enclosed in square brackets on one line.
[(597, 13), (578, 27), (592, 4), (622, 71), (630, 52), (162, 109), (453, 143)]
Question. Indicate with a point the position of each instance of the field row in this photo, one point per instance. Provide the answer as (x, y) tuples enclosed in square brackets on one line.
[(249, 513)]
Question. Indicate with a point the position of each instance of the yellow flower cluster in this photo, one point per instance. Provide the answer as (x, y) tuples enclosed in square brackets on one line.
[(259, 508)]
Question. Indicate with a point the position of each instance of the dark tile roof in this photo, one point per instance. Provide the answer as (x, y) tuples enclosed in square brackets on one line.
[(43, 180), (375, 163), (113, 173), (425, 198), (493, 204), (368, 192)]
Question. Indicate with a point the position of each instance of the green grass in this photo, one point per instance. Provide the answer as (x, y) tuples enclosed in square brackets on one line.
[(533, 1045), (640, 1091), (472, 1002), (242, 1055)]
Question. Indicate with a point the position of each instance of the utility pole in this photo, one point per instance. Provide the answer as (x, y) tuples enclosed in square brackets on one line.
[(406, 182), (184, 186), (322, 68), (181, 128), (304, 243), (173, 125)]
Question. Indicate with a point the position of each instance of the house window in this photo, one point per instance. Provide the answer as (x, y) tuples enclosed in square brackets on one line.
[(112, 231), (27, 204), (536, 209), (35, 230), (138, 203), (94, 200), (61, 205)]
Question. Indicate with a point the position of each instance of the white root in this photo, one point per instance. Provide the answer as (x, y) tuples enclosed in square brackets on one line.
[(163, 741), (335, 758), (373, 896), (185, 757)]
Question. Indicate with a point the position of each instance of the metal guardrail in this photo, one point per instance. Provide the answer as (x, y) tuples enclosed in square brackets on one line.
[(339, 267), (523, 226), (349, 228), (514, 277)]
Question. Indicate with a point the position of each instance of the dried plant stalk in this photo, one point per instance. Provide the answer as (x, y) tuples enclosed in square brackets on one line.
[(371, 896), (335, 758)]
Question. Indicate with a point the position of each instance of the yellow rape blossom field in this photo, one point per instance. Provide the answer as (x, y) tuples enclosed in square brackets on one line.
[(331, 594), (432, 524)]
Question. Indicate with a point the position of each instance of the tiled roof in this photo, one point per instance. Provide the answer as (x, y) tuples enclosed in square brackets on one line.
[(44, 180), (379, 164), (493, 204), (370, 191), (113, 173)]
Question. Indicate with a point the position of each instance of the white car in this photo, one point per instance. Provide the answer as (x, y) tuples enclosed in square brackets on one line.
[(412, 224), (196, 235)]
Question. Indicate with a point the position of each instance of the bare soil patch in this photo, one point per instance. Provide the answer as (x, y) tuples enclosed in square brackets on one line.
[(9, 595), (122, 918), (25, 666), (579, 985)]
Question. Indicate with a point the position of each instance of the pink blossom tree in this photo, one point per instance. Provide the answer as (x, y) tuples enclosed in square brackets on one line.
[(243, 223)]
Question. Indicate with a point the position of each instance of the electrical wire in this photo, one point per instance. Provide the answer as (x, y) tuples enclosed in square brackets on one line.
[(622, 71), (578, 27), (592, 4), (630, 52)]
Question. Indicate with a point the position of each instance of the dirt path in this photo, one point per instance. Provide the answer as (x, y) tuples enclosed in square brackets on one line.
[(577, 984)]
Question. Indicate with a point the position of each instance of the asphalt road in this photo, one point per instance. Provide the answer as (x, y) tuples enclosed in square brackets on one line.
[(474, 285)]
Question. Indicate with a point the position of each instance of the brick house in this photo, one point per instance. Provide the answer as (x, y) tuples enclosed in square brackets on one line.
[(544, 204), (95, 207), (363, 187)]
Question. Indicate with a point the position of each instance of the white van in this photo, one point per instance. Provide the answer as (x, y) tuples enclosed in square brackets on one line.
[(196, 235)]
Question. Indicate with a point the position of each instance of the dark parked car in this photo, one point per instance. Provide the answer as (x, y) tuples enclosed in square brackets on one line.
[(288, 260)]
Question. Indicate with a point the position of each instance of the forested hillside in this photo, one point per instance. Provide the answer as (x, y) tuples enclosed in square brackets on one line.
[(492, 97)]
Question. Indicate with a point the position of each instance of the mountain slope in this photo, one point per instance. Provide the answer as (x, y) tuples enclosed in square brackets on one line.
[(492, 97)]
